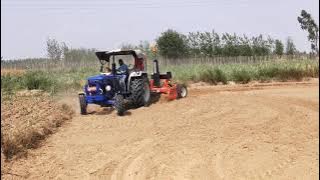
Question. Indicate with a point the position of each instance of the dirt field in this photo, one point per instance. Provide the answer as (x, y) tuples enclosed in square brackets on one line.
[(222, 132), (27, 118)]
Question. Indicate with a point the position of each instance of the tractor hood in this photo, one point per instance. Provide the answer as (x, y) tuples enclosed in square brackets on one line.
[(98, 77)]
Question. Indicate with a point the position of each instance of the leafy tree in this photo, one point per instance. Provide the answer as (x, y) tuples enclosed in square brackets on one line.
[(244, 46), (209, 43), (270, 44), (230, 44), (290, 47), (206, 44), (260, 46), (65, 50), (194, 43), (172, 44), (307, 23), (53, 49), (216, 43), (278, 48)]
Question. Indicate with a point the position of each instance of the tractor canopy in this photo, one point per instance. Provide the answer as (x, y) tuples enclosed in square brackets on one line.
[(105, 55), (136, 58)]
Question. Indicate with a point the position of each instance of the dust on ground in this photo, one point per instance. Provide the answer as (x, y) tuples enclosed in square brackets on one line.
[(220, 132)]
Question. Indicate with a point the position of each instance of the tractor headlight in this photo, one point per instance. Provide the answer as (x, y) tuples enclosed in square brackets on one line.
[(108, 87)]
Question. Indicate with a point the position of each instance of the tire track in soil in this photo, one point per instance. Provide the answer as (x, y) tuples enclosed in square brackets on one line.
[(135, 162), (282, 107)]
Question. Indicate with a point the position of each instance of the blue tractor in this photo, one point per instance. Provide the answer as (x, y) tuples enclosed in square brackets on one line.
[(115, 88)]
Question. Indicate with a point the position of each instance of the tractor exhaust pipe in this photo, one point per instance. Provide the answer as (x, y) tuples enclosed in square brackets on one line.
[(156, 67), (156, 73)]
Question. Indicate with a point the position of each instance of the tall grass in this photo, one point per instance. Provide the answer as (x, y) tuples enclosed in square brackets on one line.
[(73, 79), (241, 76), (50, 81), (30, 80), (213, 76), (244, 73), (39, 80)]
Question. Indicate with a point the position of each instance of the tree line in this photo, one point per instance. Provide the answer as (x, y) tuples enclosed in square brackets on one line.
[(172, 44), (57, 51)]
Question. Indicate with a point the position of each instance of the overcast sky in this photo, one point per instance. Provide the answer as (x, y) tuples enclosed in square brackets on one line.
[(106, 24)]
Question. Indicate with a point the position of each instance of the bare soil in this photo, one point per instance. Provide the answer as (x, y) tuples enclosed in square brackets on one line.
[(27, 118), (255, 131)]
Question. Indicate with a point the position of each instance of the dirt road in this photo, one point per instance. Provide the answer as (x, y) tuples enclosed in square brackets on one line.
[(221, 132)]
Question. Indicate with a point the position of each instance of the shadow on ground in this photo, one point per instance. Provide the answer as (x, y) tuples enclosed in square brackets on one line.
[(108, 110)]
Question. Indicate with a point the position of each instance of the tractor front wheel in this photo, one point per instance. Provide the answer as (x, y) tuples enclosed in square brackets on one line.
[(119, 105), (83, 104)]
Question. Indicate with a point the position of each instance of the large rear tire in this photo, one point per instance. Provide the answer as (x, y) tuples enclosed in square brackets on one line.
[(119, 105), (140, 92), (83, 104)]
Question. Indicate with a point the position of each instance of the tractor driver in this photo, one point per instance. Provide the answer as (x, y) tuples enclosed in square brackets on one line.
[(123, 70)]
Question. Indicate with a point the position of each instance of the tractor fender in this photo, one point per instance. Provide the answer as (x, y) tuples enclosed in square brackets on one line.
[(133, 75)]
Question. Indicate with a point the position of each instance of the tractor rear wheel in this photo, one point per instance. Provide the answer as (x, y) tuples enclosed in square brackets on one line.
[(83, 104), (119, 104), (140, 92), (181, 91)]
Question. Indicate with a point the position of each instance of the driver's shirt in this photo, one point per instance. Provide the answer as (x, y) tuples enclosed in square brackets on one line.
[(123, 69)]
